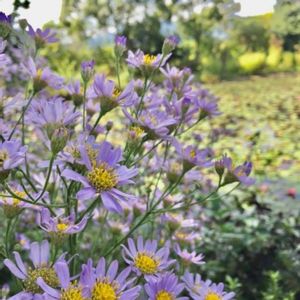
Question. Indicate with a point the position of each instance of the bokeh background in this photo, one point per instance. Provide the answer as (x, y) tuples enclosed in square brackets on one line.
[(248, 54)]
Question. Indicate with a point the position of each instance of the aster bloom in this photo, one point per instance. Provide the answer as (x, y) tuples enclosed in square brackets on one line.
[(155, 123), (60, 227), (144, 258), (75, 92), (3, 57), (87, 70), (12, 154), (191, 156), (52, 114), (170, 43), (104, 282), (194, 284), (103, 177), (146, 62), (234, 174), (177, 80), (214, 292), (42, 37), (5, 24), (69, 290), (208, 108), (39, 255), (189, 257), (43, 77), (164, 287), (110, 96), (13, 206), (120, 45)]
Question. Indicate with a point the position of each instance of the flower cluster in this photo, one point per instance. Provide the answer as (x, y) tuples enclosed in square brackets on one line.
[(90, 165)]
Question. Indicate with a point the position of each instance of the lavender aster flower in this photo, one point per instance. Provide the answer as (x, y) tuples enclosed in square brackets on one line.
[(145, 258), (3, 57), (194, 284), (69, 290), (39, 255), (234, 174), (42, 37), (5, 24), (104, 283), (43, 77), (103, 177), (87, 70), (214, 292), (12, 154), (189, 257), (164, 287), (191, 156), (170, 43), (109, 96), (120, 45), (146, 62), (60, 227)]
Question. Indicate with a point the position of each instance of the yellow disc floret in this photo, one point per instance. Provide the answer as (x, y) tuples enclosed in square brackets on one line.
[(48, 274), (212, 296), (72, 293), (102, 177), (3, 157), (149, 59), (164, 295), (104, 290), (62, 227), (146, 264)]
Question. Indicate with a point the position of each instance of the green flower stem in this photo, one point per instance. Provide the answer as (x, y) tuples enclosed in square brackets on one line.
[(84, 105), (7, 244)]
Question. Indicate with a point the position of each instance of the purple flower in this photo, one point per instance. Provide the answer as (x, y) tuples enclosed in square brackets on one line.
[(156, 123), (52, 114), (39, 255), (60, 227), (215, 292), (5, 24), (109, 96), (146, 62), (145, 258), (43, 77), (165, 286), (3, 57), (234, 174), (105, 283), (194, 284), (103, 177), (12, 154), (191, 156), (68, 289), (170, 43), (189, 257), (207, 108), (177, 80), (120, 44), (87, 70), (42, 37)]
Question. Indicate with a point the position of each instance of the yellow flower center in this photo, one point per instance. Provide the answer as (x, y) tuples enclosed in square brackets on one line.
[(212, 296), (48, 274), (104, 291), (149, 59), (39, 73), (102, 177), (3, 157), (163, 295), (145, 263), (72, 293), (17, 201), (62, 226), (193, 153), (116, 93), (138, 131)]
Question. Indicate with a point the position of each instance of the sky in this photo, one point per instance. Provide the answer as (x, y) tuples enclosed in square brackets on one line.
[(43, 11)]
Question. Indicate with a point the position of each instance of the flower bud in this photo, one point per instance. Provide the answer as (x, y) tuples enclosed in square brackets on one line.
[(59, 139), (87, 70), (170, 44), (120, 45)]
